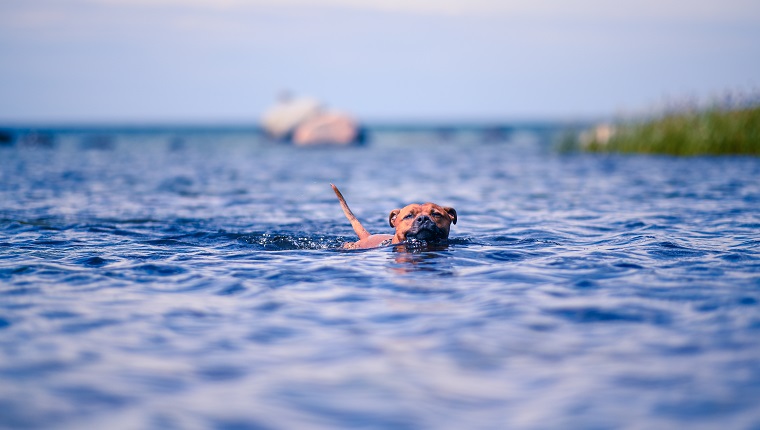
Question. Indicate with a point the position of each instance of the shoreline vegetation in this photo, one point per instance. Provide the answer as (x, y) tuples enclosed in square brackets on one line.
[(728, 128)]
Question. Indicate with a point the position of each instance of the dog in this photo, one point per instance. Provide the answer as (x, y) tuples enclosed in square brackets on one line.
[(426, 222)]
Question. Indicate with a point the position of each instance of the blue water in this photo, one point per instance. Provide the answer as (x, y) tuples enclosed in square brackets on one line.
[(183, 280)]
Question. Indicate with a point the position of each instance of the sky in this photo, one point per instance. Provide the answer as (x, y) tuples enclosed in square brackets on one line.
[(219, 61)]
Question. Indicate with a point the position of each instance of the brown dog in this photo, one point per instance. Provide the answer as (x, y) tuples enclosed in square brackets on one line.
[(427, 222)]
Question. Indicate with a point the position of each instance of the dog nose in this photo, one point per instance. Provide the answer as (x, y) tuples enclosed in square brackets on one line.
[(423, 219)]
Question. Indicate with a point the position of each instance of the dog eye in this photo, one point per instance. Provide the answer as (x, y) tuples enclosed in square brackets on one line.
[(436, 214), (409, 216)]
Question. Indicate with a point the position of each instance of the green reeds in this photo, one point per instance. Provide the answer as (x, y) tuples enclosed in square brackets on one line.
[(718, 130)]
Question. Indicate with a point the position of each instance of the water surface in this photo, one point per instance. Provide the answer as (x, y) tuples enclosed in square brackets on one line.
[(169, 280)]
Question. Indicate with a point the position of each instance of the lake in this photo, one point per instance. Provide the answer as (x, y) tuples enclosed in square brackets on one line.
[(183, 279)]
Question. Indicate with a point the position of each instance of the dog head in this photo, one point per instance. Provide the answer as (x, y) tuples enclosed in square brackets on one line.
[(428, 222)]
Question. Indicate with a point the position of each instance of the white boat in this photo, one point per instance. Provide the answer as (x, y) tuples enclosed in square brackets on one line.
[(305, 122)]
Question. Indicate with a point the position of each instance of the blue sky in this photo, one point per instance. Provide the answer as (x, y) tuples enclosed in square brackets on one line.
[(210, 61)]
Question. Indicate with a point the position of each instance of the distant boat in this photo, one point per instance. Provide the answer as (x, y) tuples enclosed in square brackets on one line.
[(305, 122)]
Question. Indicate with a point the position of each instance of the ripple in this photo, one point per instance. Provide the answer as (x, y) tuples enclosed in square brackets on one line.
[(34, 370), (592, 314), (270, 335), (504, 256), (166, 242), (232, 289), (85, 326), (672, 250), (92, 398), (221, 373), (94, 262), (160, 269), (55, 315), (626, 265)]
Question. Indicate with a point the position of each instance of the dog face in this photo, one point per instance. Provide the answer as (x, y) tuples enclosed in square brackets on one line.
[(428, 222)]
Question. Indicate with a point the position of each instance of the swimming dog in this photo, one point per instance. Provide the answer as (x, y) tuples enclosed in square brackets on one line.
[(426, 222)]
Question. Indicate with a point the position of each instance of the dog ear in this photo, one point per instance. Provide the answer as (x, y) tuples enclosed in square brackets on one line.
[(392, 217), (452, 213)]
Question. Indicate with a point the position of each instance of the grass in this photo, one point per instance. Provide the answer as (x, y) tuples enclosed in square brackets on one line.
[(717, 130)]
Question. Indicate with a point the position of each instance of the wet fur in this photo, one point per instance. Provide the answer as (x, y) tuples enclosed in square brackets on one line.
[(428, 222)]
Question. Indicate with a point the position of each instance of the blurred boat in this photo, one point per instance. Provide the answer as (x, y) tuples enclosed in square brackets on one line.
[(306, 122), (281, 120), (328, 128)]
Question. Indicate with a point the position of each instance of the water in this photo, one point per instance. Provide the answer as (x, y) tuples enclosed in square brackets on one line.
[(169, 280)]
